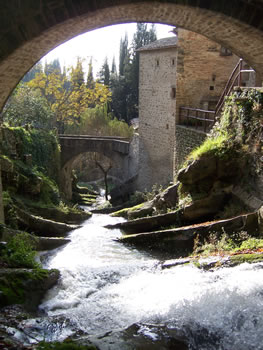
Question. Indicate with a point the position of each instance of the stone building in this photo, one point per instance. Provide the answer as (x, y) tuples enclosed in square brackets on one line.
[(157, 77), (185, 70)]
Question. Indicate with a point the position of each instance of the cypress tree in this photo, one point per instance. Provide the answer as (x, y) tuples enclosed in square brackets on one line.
[(90, 79)]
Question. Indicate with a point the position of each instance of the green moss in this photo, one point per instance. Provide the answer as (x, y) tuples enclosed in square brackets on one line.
[(242, 258), (12, 291), (124, 212), (14, 285), (42, 145)]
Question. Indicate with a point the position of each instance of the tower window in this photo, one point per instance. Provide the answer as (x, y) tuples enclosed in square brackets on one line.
[(173, 61), (157, 62), (173, 93)]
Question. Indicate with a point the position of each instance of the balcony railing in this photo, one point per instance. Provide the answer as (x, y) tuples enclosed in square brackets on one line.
[(235, 79), (204, 120), (200, 119)]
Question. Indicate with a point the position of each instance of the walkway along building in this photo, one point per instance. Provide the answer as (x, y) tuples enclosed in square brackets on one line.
[(185, 70)]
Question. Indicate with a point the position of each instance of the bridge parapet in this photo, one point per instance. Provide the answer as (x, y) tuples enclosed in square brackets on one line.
[(73, 145)]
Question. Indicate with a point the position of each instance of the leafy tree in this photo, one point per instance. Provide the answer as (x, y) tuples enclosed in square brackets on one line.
[(37, 68), (120, 91), (77, 73), (27, 106), (97, 121), (52, 67), (68, 103), (125, 87)]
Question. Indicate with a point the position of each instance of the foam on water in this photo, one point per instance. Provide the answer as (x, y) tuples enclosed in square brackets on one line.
[(106, 285)]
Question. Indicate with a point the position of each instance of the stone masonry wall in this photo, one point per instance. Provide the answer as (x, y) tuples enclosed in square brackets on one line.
[(157, 117), (186, 140), (203, 68)]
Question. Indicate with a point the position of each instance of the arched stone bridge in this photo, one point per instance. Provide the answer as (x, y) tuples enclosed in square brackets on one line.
[(117, 149), (30, 29), (73, 145)]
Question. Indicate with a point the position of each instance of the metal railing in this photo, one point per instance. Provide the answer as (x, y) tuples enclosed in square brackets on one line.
[(204, 119), (200, 119), (235, 79)]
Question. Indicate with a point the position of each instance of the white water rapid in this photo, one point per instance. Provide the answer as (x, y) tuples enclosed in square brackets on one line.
[(105, 285)]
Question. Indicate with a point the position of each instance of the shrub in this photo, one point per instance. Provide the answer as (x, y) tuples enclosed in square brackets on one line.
[(250, 244), (19, 252)]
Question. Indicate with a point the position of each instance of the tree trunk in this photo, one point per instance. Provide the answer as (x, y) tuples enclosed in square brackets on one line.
[(105, 172)]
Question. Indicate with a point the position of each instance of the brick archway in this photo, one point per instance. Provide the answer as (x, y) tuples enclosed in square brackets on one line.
[(30, 29)]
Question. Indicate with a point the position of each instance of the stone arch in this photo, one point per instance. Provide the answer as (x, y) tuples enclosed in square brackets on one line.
[(31, 29), (71, 148)]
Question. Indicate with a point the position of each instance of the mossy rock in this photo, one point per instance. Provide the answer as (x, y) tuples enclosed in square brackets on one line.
[(125, 212), (245, 258), (25, 286)]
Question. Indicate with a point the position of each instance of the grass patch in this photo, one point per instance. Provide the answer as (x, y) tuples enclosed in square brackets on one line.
[(250, 244), (215, 146)]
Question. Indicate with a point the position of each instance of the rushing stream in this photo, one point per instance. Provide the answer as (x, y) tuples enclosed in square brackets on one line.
[(106, 285)]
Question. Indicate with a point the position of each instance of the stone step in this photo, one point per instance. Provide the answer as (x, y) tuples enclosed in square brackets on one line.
[(182, 238)]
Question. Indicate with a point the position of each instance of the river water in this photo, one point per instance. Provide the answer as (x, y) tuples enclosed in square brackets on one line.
[(105, 285)]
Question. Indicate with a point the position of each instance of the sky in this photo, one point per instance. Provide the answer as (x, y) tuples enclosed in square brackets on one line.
[(98, 44)]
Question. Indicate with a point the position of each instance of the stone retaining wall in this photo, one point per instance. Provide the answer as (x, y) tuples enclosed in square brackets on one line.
[(186, 140)]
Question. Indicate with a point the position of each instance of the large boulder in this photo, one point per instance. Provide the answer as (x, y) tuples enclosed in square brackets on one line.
[(25, 286), (142, 210), (198, 169), (167, 199)]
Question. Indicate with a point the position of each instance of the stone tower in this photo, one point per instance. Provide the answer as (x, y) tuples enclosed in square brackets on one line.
[(157, 93), (185, 70)]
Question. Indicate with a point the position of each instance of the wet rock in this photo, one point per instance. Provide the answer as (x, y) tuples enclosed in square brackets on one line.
[(180, 240), (49, 243), (144, 210), (148, 223), (139, 337), (55, 214), (175, 262), (43, 227)]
